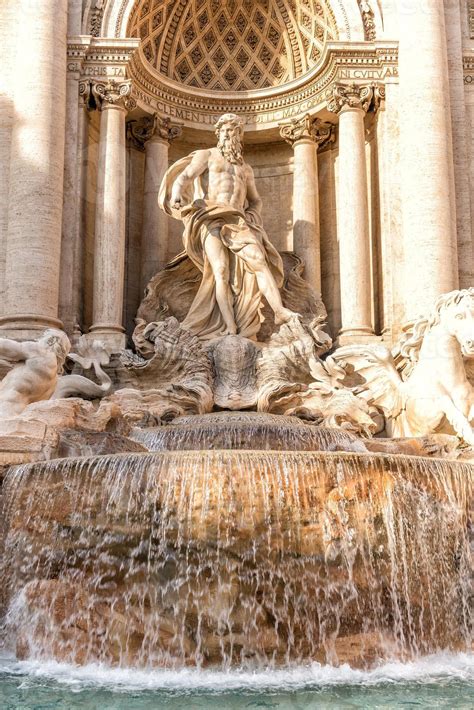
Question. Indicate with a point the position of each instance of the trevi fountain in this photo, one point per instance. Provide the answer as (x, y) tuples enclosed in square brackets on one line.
[(236, 355)]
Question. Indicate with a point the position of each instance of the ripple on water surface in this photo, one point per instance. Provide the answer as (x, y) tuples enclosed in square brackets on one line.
[(440, 681)]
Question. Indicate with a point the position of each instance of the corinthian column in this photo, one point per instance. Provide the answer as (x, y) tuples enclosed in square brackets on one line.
[(36, 170), (156, 133), (351, 103), (426, 159), (305, 136), (109, 249)]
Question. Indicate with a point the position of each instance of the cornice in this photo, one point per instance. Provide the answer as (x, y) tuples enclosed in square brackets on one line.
[(99, 57)]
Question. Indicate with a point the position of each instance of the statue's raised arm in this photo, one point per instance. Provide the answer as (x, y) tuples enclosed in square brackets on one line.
[(194, 170), (11, 351)]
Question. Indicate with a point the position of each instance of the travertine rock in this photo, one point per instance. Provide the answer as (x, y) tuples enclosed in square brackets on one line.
[(35, 434), (213, 558), (176, 380), (235, 376)]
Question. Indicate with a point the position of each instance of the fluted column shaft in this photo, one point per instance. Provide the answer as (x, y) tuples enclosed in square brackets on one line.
[(109, 249), (426, 160), (36, 170), (351, 103), (306, 135), (306, 236), (156, 133), (155, 221), (71, 274)]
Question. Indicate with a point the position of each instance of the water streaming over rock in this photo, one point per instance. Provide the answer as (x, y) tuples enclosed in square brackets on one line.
[(237, 558), (245, 430)]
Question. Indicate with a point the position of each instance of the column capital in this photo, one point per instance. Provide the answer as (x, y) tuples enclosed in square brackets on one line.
[(350, 97), (113, 94), (307, 128), (152, 128), (84, 90), (161, 129)]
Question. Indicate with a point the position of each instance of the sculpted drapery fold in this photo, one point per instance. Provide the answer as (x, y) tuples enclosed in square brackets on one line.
[(239, 228)]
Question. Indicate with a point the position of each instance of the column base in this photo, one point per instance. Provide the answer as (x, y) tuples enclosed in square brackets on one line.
[(27, 326), (113, 337), (353, 336)]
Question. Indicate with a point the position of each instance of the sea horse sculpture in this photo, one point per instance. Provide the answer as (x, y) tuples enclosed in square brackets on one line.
[(88, 355), (422, 386)]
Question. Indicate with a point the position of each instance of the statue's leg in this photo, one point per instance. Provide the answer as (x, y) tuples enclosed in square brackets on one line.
[(458, 420), (254, 256), (218, 258)]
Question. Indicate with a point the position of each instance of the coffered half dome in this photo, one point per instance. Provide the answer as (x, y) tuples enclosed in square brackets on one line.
[(232, 45)]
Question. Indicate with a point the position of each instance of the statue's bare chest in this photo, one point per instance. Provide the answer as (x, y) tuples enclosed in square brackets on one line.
[(223, 170)]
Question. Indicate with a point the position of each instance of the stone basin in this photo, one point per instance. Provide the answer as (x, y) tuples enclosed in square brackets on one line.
[(238, 558)]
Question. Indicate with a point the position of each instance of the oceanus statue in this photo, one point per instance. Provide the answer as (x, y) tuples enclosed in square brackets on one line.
[(213, 192), (422, 386)]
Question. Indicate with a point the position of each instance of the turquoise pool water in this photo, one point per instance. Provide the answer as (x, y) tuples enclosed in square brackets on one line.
[(444, 681)]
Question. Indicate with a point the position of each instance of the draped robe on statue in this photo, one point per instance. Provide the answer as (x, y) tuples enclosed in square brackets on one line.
[(237, 228)]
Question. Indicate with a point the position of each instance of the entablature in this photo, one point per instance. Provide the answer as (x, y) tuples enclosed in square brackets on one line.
[(262, 109)]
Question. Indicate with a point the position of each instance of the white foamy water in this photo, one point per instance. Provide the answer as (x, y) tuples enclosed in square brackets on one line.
[(429, 669)]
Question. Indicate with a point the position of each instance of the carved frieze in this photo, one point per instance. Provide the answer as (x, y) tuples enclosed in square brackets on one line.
[(95, 17), (342, 63), (368, 20), (119, 60)]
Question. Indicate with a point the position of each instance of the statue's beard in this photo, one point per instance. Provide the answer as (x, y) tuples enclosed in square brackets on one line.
[(231, 149)]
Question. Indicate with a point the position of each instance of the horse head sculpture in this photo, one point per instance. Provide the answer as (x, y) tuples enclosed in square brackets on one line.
[(422, 386)]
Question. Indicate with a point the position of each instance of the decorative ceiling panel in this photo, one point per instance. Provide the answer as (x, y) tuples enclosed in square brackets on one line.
[(232, 45)]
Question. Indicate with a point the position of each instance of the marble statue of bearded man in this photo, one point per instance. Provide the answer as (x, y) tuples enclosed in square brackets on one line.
[(213, 192)]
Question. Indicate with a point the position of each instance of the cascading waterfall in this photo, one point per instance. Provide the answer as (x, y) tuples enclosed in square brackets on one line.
[(237, 558), (230, 430)]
